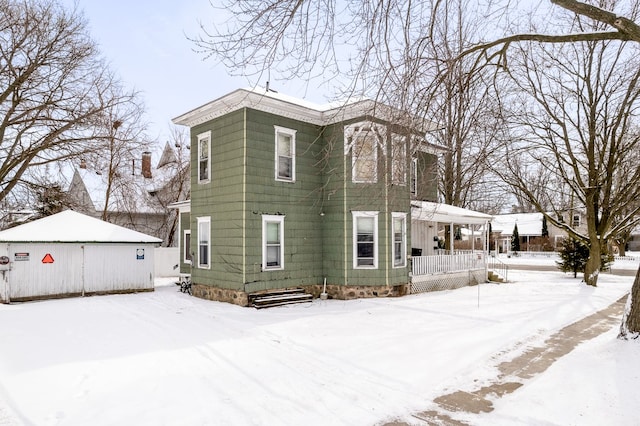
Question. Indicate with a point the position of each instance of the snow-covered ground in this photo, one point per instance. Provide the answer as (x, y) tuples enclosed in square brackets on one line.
[(165, 358)]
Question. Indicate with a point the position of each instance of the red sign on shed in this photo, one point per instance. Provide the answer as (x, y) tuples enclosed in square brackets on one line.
[(47, 258)]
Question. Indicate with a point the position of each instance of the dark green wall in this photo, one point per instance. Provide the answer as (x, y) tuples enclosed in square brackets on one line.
[(317, 207)]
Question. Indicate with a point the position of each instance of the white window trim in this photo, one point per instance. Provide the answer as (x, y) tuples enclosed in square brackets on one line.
[(201, 136), (266, 218), (413, 180), (206, 220), (185, 246), (402, 216), (378, 133), (292, 134), (575, 223), (361, 214), (398, 158)]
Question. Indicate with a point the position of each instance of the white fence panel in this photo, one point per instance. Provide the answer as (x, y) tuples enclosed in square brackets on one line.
[(166, 258), (425, 265)]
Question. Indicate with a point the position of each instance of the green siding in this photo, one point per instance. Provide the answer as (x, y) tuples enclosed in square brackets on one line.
[(221, 200), (317, 207), (298, 201)]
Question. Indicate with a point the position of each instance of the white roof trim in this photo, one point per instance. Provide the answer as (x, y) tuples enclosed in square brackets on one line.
[(282, 105), (445, 213)]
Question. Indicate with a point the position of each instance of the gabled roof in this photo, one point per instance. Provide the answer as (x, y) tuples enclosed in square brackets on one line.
[(528, 224), (73, 227), (132, 191)]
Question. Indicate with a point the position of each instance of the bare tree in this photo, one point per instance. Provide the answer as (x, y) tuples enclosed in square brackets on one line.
[(385, 40), (55, 90), (575, 111), (178, 186)]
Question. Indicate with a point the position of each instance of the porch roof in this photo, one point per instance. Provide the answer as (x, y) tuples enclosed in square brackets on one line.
[(445, 213)]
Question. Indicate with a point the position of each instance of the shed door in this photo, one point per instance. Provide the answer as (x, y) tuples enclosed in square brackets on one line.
[(45, 270), (113, 267)]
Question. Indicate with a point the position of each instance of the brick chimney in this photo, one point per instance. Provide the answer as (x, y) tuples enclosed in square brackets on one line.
[(83, 163), (146, 165)]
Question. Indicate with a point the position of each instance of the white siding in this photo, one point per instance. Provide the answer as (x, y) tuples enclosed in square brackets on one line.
[(111, 267), (76, 269), (30, 277)]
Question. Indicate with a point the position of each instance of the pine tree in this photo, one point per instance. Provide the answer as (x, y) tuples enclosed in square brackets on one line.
[(515, 239), (573, 256), (545, 230)]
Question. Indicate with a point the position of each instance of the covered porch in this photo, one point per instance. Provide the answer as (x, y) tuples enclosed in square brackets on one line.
[(436, 268)]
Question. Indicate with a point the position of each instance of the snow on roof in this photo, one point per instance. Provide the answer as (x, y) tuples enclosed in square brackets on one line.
[(289, 106), (528, 224), (69, 226), (437, 212)]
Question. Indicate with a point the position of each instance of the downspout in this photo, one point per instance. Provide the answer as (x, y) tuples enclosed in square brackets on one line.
[(344, 213), (386, 212), (244, 198)]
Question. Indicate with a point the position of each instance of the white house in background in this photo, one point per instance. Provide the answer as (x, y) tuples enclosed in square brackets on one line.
[(138, 198), (530, 229), (71, 254)]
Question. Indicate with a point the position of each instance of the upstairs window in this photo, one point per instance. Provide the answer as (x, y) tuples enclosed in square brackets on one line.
[(365, 240), (414, 176), (285, 154), (272, 242), (398, 160), (362, 140), (576, 221), (204, 159)]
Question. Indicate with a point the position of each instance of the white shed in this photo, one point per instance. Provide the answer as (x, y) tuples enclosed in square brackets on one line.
[(71, 254)]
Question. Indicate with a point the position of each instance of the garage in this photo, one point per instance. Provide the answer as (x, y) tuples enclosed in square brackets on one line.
[(71, 254)]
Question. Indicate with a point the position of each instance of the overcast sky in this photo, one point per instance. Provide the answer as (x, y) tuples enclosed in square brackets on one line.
[(145, 43)]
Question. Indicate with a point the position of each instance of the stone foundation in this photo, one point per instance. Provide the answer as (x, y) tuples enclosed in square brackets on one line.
[(237, 297), (348, 292)]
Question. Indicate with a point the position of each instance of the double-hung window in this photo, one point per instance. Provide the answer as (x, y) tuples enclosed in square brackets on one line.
[(186, 246), (414, 177), (204, 157), (364, 158), (285, 154), (398, 160), (399, 237), (272, 242), (365, 240), (204, 242), (576, 221)]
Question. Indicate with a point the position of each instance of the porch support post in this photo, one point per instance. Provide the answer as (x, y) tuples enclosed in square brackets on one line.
[(451, 238), (473, 237)]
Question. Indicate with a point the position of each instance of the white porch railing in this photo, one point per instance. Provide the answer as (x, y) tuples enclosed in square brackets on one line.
[(426, 265)]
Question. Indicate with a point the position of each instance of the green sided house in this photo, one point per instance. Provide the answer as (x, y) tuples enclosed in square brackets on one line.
[(335, 199)]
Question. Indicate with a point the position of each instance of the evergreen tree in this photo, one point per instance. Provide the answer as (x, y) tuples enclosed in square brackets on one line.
[(545, 230), (515, 239), (51, 200), (573, 256)]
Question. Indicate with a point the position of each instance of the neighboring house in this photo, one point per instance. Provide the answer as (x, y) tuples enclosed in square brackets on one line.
[(530, 230), (139, 194), (633, 244), (285, 193)]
